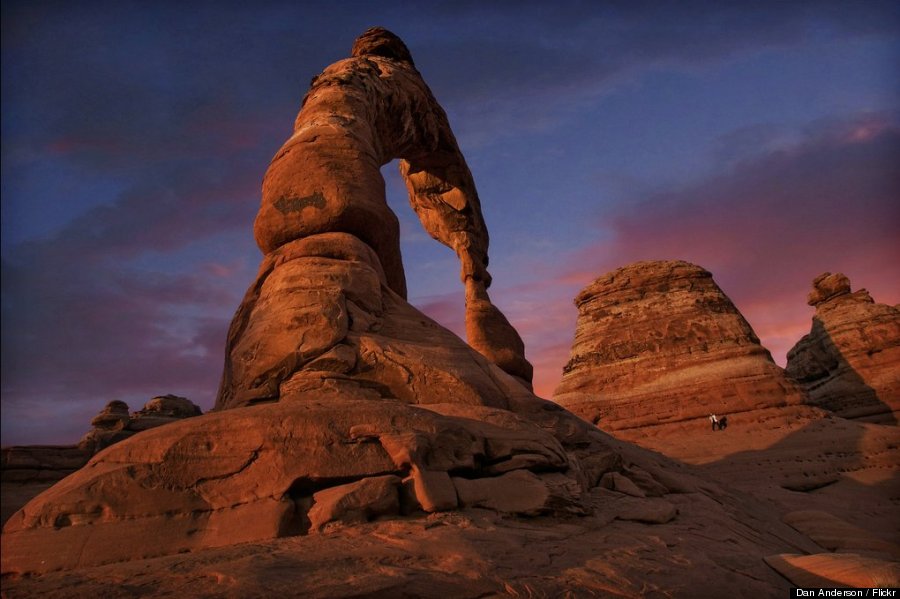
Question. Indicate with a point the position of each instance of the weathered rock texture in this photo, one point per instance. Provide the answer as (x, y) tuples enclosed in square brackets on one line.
[(393, 454), (284, 469), (340, 402), (361, 113), (849, 363), (714, 541), (28, 470), (658, 345), (116, 422)]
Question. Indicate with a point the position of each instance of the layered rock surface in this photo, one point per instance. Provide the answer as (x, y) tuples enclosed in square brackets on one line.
[(116, 422), (849, 363), (340, 402), (658, 346), (362, 444), (400, 416), (283, 469), (361, 113), (27, 470), (619, 549)]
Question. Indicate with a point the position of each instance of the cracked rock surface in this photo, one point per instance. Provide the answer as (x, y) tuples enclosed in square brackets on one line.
[(284, 469), (360, 449)]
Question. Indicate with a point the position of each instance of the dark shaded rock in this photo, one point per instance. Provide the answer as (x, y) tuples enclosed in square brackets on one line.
[(849, 363)]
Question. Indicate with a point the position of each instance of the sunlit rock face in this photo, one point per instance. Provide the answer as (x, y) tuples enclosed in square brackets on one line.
[(340, 402), (849, 363), (27, 470), (359, 114), (659, 346)]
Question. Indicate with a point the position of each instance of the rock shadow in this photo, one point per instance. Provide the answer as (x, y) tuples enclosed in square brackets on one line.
[(832, 383), (844, 467)]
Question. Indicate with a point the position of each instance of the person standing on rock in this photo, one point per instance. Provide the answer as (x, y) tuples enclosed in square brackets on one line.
[(714, 421)]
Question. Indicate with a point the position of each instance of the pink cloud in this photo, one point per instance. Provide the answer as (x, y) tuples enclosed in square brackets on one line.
[(449, 309), (765, 229), (769, 226), (546, 321)]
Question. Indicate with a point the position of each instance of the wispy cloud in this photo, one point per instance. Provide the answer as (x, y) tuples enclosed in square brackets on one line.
[(135, 138), (765, 227)]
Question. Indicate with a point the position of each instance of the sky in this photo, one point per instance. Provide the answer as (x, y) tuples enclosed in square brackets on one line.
[(759, 140)]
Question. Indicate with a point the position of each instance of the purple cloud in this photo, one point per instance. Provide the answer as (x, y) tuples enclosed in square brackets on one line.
[(765, 228)]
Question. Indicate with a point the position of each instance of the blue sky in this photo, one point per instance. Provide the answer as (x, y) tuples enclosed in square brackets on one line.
[(759, 140)]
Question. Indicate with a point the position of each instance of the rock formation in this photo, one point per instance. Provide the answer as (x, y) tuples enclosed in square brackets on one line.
[(340, 402), (362, 444), (116, 422), (323, 207), (658, 346), (27, 470), (849, 363)]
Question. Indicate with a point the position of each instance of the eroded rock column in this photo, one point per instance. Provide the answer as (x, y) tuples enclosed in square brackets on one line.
[(323, 210), (849, 363)]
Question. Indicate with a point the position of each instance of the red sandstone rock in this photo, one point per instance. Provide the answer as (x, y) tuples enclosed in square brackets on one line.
[(169, 406), (850, 361), (335, 390), (658, 345), (649, 511), (835, 534), (358, 115), (115, 423), (258, 473), (112, 417), (433, 491), (26, 471), (836, 570), (29, 470), (615, 481), (382, 412), (359, 501), (709, 545), (315, 322)]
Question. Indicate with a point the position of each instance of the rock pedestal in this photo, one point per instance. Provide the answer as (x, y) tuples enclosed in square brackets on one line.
[(849, 363)]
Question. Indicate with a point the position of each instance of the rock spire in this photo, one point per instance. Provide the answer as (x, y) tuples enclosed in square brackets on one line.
[(323, 200), (849, 363)]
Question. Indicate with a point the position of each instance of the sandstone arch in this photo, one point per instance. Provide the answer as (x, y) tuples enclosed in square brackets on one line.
[(359, 114)]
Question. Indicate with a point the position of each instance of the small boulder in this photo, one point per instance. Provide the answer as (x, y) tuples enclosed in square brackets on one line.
[(434, 491), (170, 405), (358, 501), (615, 481), (648, 511), (518, 492)]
